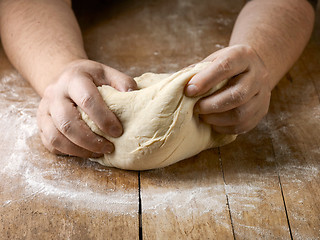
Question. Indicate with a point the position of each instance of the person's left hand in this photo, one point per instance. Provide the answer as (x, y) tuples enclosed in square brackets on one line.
[(243, 101)]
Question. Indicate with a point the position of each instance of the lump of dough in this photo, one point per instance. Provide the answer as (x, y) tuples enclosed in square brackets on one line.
[(159, 125)]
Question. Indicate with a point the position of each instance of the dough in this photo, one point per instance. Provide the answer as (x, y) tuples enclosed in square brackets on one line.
[(158, 121)]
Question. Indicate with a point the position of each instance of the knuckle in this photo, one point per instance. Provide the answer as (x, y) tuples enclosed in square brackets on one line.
[(224, 65), (65, 126), (238, 95), (87, 101)]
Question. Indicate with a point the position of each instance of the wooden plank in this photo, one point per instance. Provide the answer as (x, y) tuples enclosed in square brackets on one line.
[(252, 187), (47, 197), (266, 217), (158, 36), (186, 200), (296, 139), (296, 144)]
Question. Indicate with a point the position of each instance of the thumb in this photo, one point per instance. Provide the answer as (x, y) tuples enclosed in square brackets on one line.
[(119, 80)]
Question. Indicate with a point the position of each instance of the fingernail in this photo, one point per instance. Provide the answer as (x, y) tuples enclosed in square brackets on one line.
[(108, 148), (130, 90), (191, 90), (115, 131)]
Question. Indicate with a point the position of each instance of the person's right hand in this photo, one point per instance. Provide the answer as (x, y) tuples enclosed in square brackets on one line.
[(61, 128)]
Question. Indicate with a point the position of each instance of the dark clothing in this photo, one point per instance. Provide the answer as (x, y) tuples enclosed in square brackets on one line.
[(313, 3)]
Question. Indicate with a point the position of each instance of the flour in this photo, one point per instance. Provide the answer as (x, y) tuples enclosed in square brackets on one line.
[(83, 197), (55, 184), (207, 199), (37, 173)]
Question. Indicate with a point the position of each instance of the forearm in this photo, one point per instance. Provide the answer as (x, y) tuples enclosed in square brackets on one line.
[(40, 37), (278, 30)]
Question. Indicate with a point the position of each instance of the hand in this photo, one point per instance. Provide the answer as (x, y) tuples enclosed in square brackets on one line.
[(243, 101), (61, 128)]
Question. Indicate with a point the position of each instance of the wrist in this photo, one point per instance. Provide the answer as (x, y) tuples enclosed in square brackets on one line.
[(47, 78)]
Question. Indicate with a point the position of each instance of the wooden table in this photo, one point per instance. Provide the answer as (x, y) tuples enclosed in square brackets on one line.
[(265, 185)]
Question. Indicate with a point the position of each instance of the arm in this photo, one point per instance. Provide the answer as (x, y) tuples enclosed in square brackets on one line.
[(267, 39), (40, 38), (278, 30), (43, 41)]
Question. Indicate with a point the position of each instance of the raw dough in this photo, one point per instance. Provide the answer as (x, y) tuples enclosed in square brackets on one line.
[(159, 125)]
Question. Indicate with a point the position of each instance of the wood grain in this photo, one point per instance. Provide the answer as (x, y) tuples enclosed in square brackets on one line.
[(296, 145), (186, 200), (265, 185), (252, 186), (43, 196)]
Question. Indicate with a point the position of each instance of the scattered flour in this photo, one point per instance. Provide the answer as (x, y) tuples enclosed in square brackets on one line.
[(206, 199), (37, 174)]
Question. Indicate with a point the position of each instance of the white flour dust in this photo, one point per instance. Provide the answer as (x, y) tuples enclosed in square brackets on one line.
[(54, 184), (36, 174), (187, 201)]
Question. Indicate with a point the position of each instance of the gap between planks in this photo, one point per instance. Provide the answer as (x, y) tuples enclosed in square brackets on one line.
[(140, 207), (227, 197), (285, 207), (279, 179), (288, 76)]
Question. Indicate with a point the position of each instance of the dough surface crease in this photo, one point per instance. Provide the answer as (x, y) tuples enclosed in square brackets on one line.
[(159, 125)]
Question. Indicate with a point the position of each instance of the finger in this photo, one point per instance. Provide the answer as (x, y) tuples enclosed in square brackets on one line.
[(237, 129), (260, 110), (56, 143), (234, 116), (119, 80), (237, 92), (71, 151), (223, 67), (67, 120), (86, 95)]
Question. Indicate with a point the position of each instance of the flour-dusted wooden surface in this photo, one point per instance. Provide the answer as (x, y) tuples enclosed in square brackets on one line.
[(265, 185), (48, 197)]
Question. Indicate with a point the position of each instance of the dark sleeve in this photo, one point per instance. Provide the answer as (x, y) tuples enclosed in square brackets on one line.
[(313, 3)]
